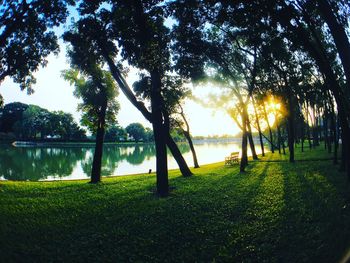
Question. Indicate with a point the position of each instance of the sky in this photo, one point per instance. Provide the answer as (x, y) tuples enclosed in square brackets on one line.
[(53, 93)]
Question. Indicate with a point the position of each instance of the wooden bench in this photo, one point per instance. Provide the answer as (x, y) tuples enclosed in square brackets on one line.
[(233, 158)]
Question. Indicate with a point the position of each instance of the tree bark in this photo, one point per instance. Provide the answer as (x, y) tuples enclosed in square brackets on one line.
[(193, 151), (97, 160), (269, 127), (336, 143), (244, 157), (308, 126), (258, 127), (250, 138), (279, 138), (159, 135), (189, 139), (291, 131), (185, 170)]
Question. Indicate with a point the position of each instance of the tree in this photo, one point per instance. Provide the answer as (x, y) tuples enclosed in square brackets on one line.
[(35, 120), (149, 135), (99, 107), (115, 133), (25, 39), (173, 92), (11, 113), (184, 126), (136, 131), (138, 28)]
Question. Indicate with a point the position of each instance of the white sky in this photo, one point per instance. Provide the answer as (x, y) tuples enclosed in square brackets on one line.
[(53, 93)]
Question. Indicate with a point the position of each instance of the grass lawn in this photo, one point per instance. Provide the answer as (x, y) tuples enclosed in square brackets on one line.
[(275, 212)]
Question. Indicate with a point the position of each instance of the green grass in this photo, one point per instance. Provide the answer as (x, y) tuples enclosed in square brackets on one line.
[(275, 212)]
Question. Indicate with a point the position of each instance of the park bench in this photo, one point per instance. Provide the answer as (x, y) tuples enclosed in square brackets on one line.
[(233, 158)]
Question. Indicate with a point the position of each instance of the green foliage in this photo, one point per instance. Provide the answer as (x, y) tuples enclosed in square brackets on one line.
[(177, 135), (26, 39), (10, 114), (31, 121), (136, 131), (115, 133), (98, 93), (275, 212)]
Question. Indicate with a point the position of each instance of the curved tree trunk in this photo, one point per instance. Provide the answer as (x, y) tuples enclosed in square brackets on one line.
[(193, 151), (185, 170), (188, 137)]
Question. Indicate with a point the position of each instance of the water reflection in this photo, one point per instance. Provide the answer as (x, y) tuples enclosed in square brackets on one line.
[(36, 163)]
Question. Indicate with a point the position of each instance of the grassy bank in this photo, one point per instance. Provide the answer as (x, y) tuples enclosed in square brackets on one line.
[(275, 212)]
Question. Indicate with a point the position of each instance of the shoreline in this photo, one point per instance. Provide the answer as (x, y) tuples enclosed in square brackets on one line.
[(104, 176)]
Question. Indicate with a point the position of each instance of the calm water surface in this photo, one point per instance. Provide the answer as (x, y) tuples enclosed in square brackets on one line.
[(65, 163)]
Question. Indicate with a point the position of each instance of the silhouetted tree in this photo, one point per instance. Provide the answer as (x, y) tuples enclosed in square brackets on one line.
[(25, 37), (98, 92)]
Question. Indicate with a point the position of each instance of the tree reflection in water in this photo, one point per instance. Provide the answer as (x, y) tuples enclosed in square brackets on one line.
[(40, 163), (33, 163)]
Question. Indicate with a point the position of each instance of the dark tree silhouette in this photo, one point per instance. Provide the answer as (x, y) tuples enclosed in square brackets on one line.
[(25, 37), (98, 93)]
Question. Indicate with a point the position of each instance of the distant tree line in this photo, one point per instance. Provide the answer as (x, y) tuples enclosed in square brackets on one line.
[(32, 122)]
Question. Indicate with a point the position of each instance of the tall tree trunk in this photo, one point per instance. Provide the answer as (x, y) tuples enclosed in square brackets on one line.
[(315, 127), (188, 137), (244, 157), (291, 118), (97, 160), (269, 127), (175, 151), (258, 127), (326, 124), (335, 136), (159, 135), (250, 138), (193, 151), (308, 125), (291, 138), (344, 140), (302, 134), (279, 138), (282, 143)]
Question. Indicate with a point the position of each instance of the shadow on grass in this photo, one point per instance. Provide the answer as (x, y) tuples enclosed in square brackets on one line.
[(314, 225)]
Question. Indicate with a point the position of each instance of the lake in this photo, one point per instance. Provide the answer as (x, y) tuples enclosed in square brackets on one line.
[(67, 163)]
